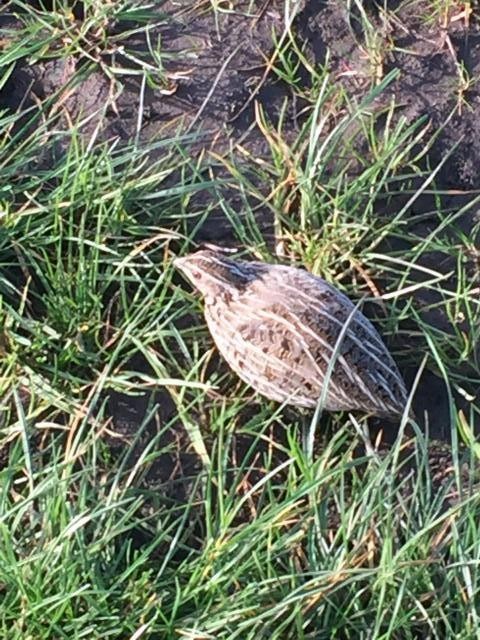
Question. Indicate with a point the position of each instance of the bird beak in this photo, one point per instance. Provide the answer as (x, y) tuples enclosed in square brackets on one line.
[(182, 264), (179, 263)]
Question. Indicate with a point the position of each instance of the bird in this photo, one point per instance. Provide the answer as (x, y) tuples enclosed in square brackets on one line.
[(293, 337)]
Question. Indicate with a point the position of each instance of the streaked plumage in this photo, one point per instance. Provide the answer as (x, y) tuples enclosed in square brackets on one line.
[(277, 327)]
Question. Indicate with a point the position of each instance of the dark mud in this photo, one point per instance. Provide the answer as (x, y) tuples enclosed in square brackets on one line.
[(213, 75), (430, 84)]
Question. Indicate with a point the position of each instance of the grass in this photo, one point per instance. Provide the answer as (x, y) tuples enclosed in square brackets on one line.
[(143, 492)]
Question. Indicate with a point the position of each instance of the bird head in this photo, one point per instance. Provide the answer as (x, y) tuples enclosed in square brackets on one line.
[(214, 274)]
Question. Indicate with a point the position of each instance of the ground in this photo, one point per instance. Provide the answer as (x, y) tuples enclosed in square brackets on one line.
[(214, 85), (341, 136)]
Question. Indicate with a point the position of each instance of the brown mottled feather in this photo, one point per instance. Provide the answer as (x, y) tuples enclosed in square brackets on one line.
[(277, 327)]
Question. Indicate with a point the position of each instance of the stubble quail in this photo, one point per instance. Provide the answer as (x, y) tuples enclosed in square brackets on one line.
[(278, 328)]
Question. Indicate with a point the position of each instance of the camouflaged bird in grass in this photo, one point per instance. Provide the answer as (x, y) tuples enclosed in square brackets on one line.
[(279, 327)]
